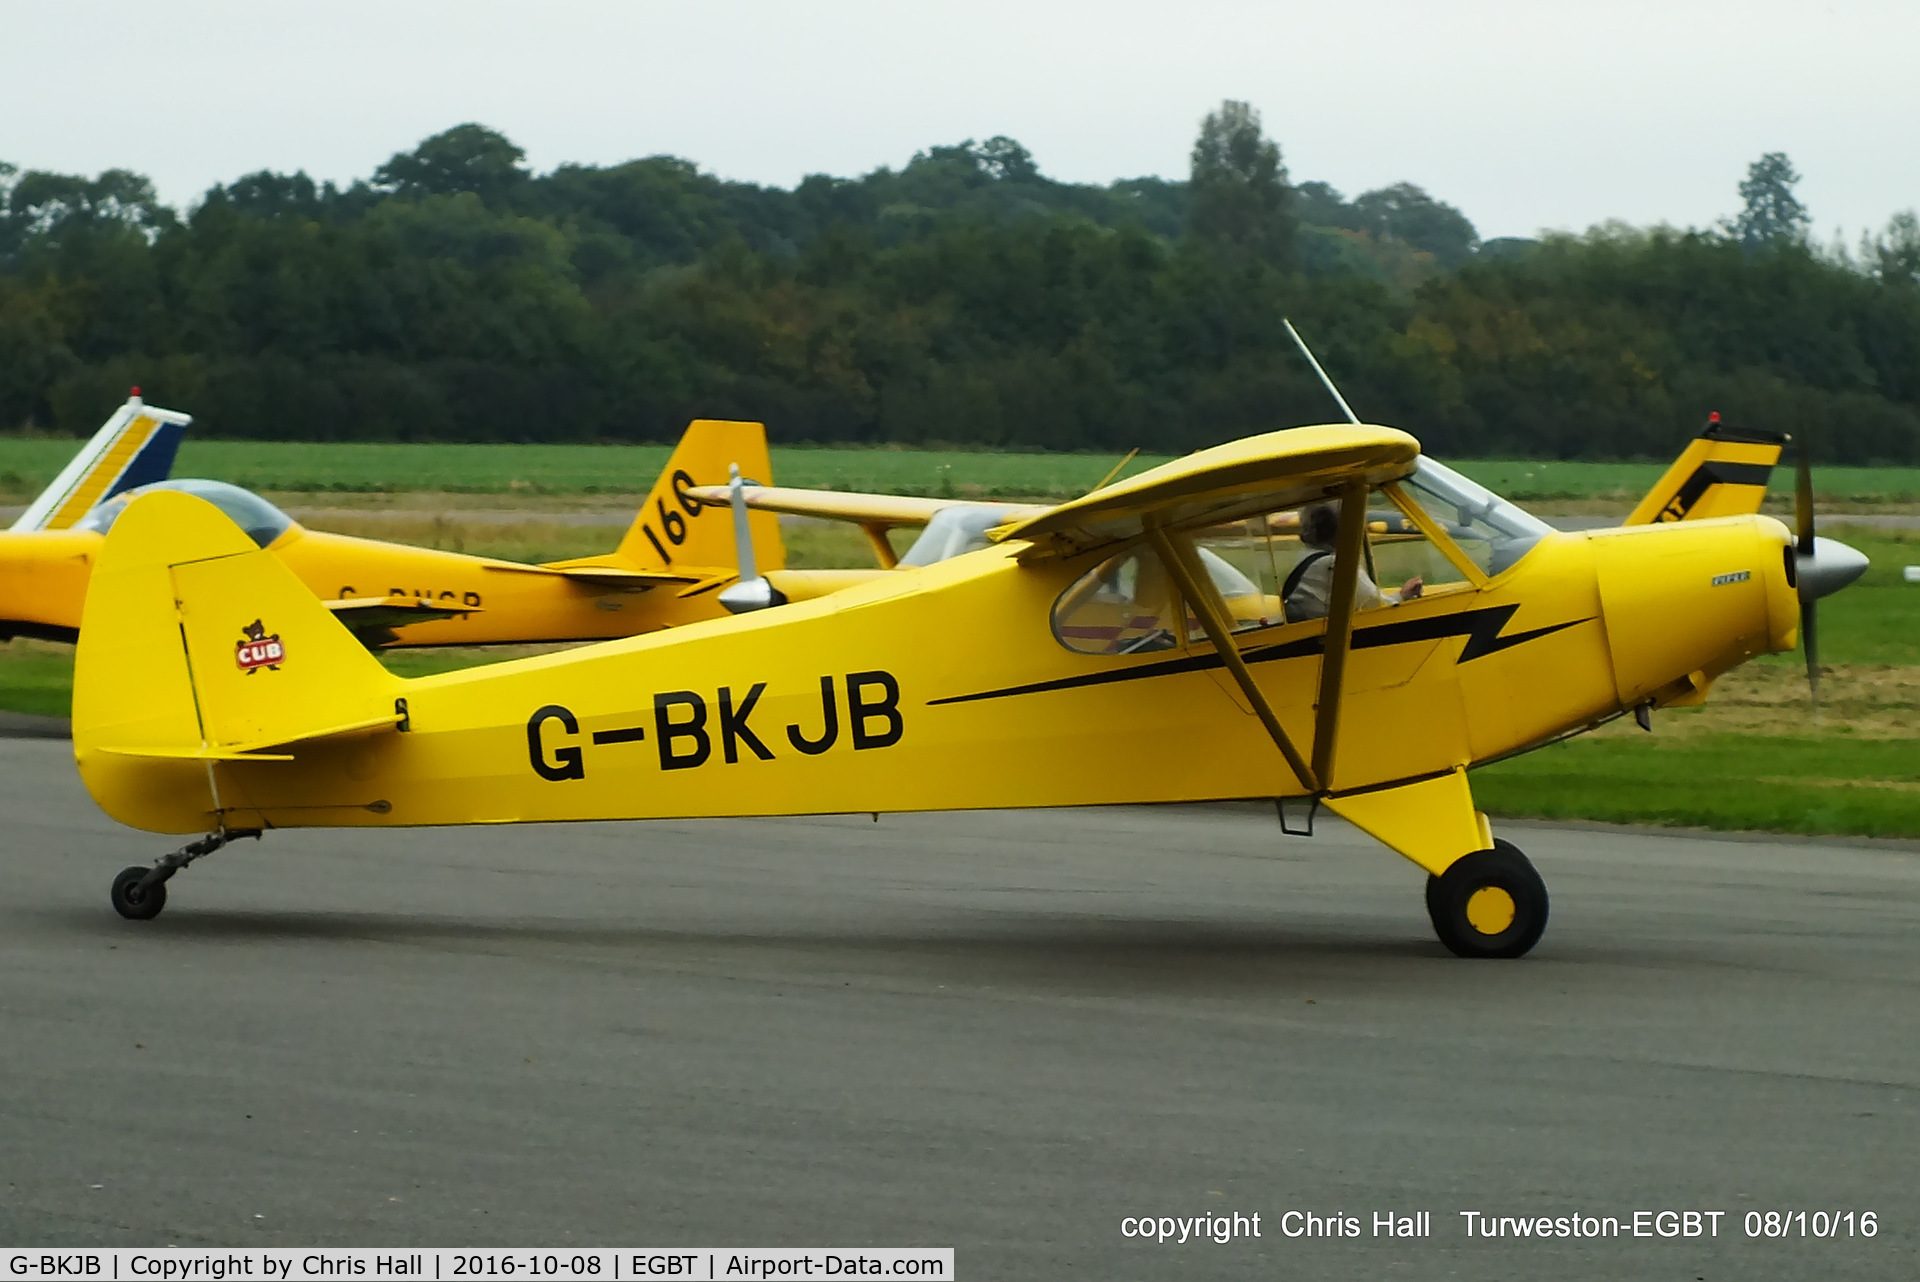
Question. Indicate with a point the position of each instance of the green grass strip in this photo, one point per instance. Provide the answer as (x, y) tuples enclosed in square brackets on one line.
[(28, 463), (1828, 784)]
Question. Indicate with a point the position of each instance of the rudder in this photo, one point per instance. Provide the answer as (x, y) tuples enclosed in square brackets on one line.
[(134, 447), (674, 531), (198, 647), (1723, 472)]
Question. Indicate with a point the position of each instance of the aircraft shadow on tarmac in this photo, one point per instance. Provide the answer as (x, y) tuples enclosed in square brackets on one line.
[(1148, 954)]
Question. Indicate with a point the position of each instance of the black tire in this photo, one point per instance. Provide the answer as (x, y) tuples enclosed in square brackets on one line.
[(135, 903), (1489, 926)]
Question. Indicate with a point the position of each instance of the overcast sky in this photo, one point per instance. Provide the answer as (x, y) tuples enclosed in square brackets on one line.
[(1526, 115)]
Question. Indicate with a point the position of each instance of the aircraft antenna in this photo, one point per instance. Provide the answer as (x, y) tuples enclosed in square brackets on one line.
[(1308, 353), (1107, 480)]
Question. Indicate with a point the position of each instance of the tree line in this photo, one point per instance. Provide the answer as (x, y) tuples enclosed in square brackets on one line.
[(963, 299)]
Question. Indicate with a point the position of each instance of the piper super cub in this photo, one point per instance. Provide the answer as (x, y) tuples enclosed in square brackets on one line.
[(214, 694)]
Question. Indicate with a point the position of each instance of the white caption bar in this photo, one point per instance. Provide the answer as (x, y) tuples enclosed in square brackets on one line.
[(478, 1264)]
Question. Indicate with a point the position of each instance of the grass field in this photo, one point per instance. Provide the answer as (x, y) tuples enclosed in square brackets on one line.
[(1810, 784), (28, 463)]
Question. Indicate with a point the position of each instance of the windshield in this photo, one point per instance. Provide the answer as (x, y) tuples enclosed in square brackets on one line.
[(1230, 581), (954, 530), (1489, 529), (262, 521)]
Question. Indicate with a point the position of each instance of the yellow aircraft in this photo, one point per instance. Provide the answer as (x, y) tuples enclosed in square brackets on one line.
[(666, 570), (213, 694)]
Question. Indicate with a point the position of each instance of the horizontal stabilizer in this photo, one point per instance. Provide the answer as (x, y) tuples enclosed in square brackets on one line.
[(252, 751), (196, 754), (391, 611), (594, 572)]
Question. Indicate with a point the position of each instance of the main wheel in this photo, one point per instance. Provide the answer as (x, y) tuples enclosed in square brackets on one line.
[(1490, 903), (134, 902)]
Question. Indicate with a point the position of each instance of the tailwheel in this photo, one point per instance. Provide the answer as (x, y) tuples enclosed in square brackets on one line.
[(140, 893), (1490, 903), (135, 901)]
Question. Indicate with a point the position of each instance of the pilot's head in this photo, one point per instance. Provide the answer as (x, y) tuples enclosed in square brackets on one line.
[(1320, 524)]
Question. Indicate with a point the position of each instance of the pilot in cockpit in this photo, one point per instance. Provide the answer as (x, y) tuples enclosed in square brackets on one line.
[(1309, 588)]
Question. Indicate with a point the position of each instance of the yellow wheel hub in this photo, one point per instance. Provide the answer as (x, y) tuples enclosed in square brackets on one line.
[(1490, 911)]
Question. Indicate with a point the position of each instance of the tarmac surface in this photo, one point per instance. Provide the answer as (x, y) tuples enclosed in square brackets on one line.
[(998, 1032)]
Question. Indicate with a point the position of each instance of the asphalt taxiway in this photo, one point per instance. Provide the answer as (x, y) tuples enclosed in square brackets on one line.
[(999, 1032)]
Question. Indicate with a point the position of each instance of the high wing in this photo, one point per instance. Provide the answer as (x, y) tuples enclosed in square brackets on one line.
[(1226, 483), (134, 447)]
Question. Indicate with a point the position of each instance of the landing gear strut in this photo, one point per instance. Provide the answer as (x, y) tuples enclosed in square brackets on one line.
[(140, 893), (1490, 903)]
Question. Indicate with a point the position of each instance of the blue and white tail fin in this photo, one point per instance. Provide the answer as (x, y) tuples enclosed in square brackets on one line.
[(134, 447)]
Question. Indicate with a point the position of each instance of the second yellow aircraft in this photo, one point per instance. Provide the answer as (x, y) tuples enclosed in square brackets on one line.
[(666, 571)]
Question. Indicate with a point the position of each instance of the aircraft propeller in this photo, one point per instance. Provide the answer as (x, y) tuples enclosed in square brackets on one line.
[(752, 591), (1821, 568)]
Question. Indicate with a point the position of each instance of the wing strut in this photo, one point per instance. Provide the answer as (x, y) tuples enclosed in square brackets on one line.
[(882, 550), (1349, 547), (1200, 594)]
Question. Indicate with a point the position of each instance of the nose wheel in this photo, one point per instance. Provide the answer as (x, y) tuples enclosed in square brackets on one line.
[(1490, 903), (139, 894)]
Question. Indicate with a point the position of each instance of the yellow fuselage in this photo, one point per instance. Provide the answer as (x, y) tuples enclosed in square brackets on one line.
[(44, 576), (945, 688)]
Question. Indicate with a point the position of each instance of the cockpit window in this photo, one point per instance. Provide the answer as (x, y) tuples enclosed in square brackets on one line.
[(953, 531), (1128, 605), (1124, 605), (262, 521), (1490, 530)]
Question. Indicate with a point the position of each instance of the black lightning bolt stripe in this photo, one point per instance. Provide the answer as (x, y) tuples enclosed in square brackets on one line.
[(1480, 627)]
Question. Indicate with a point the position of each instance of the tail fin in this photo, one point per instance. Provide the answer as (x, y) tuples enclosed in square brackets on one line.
[(134, 447), (1722, 472), (198, 647), (673, 530)]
